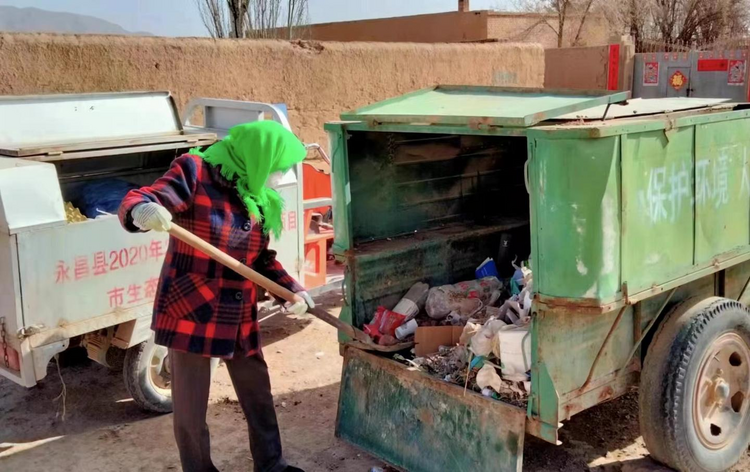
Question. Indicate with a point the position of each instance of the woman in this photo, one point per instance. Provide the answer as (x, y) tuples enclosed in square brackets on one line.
[(205, 310)]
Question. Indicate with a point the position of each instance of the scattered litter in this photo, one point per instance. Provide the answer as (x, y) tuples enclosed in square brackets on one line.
[(384, 322), (487, 377), (485, 340), (319, 355), (441, 301), (283, 404), (406, 330), (474, 334), (413, 302), (515, 351), (73, 214), (487, 269), (469, 331)]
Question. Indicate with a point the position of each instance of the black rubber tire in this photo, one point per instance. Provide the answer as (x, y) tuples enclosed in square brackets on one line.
[(138, 382), (668, 383)]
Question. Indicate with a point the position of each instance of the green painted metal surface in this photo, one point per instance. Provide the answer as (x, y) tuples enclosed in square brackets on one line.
[(340, 187), (657, 191), (421, 424), (722, 188), (576, 207), (569, 342), (401, 183), (488, 106), (618, 212)]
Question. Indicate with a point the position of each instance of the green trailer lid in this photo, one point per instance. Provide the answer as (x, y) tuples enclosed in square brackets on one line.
[(477, 106), (643, 107)]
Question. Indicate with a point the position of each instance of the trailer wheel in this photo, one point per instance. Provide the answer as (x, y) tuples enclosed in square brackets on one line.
[(695, 387), (147, 376)]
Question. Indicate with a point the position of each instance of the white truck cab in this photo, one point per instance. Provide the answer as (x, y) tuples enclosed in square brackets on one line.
[(90, 282)]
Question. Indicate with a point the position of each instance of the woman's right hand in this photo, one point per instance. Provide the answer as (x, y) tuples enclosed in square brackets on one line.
[(152, 216)]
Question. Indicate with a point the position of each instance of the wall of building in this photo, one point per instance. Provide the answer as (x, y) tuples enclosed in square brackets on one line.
[(317, 81), (457, 26), (452, 27), (577, 68), (526, 27)]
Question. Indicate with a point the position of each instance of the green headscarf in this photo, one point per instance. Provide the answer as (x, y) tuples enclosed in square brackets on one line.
[(247, 156)]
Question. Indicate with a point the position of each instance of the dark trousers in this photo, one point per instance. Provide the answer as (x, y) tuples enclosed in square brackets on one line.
[(191, 380)]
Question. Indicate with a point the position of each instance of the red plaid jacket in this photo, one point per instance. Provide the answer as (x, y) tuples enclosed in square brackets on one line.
[(201, 306)]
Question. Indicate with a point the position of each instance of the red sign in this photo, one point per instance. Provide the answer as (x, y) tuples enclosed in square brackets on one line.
[(713, 65), (678, 80), (613, 77), (103, 262)]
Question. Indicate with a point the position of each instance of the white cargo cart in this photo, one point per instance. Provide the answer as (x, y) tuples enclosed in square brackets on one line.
[(91, 282)]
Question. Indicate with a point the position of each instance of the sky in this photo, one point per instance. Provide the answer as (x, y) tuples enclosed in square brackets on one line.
[(180, 17)]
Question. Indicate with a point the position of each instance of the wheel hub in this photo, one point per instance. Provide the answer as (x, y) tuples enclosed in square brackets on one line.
[(159, 373), (720, 403)]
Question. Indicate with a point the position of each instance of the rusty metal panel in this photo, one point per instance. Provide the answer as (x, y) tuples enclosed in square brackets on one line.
[(422, 424), (722, 188), (657, 195), (568, 342)]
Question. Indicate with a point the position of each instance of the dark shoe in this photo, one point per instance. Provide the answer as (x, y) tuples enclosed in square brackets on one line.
[(289, 468)]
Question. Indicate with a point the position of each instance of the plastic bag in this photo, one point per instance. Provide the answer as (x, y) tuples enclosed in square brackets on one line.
[(98, 196), (413, 302), (447, 298), (384, 322), (469, 331), (487, 377), (482, 342)]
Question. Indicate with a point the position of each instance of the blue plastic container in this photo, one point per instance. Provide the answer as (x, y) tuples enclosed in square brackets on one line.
[(487, 269)]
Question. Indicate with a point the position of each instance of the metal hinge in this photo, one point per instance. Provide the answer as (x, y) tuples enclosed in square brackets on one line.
[(29, 331)]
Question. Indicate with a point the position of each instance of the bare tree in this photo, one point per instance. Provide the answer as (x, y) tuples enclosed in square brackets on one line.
[(238, 18), (214, 16), (263, 18), (680, 23), (297, 15), (252, 18), (559, 15), (630, 17)]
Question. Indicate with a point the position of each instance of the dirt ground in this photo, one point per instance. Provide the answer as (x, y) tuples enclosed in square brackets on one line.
[(105, 431)]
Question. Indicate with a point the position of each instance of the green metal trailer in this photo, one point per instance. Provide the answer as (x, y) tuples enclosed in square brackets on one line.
[(636, 215)]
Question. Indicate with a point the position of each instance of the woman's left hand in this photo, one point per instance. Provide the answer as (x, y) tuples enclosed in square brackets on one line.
[(300, 308)]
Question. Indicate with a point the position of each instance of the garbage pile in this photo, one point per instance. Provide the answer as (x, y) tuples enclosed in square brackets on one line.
[(89, 200), (474, 333), (73, 214)]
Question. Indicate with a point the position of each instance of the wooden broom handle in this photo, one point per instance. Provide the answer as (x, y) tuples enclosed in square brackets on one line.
[(194, 241)]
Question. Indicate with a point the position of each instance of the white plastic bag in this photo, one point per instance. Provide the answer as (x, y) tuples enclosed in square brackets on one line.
[(481, 343), (487, 377), (447, 298)]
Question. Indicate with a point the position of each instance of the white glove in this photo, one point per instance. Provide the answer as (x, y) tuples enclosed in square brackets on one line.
[(151, 216), (300, 308)]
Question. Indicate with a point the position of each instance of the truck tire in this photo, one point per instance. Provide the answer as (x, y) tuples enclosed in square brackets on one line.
[(695, 387), (146, 373)]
